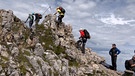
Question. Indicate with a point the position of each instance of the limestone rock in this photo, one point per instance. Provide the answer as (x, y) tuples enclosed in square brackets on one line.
[(38, 50), (48, 50)]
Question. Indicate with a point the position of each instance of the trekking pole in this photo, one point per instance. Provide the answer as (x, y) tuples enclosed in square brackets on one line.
[(47, 10)]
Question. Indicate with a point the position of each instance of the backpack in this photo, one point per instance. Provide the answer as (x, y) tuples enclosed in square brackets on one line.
[(127, 65), (106, 65), (40, 16), (87, 35), (62, 9)]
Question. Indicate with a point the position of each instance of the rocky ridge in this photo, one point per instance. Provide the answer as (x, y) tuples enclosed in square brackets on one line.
[(47, 51)]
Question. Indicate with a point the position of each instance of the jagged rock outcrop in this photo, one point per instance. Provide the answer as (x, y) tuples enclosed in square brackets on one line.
[(47, 51)]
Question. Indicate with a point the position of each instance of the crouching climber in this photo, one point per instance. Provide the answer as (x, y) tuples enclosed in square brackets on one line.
[(132, 63), (130, 67)]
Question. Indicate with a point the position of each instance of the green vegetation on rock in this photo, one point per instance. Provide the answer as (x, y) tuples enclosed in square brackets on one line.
[(48, 39), (24, 62)]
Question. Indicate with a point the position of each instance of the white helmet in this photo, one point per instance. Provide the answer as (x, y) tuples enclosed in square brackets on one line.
[(81, 29)]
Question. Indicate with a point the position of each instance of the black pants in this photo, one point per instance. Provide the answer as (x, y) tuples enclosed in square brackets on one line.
[(37, 21), (83, 41), (30, 23), (133, 69), (60, 18), (114, 65)]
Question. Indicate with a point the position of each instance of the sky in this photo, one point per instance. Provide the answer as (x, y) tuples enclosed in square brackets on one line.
[(108, 21)]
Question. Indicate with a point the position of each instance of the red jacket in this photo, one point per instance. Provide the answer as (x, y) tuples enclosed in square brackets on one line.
[(82, 33)]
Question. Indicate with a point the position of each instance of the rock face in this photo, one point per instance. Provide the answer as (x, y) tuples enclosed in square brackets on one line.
[(47, 51)]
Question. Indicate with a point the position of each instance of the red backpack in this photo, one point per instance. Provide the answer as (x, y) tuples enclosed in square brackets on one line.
[(40, 16), (62, 9)]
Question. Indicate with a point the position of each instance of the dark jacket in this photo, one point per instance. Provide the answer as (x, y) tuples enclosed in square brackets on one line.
[(114, 51), (132, 61)]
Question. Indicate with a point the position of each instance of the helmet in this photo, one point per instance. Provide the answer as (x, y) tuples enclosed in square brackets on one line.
[(81, 29), (57, 8), (33, 13)]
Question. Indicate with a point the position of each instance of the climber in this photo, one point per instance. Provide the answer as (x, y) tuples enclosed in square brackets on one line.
[(114, 51), (132, 63), (84, 35), (31, 19), (38, 16), (61, 12)]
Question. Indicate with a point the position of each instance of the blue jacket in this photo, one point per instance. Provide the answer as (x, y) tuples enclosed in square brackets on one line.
[(114, 51)]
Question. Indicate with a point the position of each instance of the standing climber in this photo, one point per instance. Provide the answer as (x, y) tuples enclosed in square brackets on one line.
[(84, 35), (31, 19), (114, 51), (38, 16), (61, 12)]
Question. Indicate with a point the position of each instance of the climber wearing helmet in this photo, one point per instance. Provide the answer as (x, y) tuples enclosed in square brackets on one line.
[(61, 12), (31, 19), (82, 40)]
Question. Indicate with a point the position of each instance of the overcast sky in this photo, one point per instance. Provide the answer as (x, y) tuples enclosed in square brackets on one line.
[(108, 21)]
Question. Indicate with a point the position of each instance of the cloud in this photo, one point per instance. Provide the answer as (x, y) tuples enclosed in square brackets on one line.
[(116, 20), (94, 15), (44, 5)]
